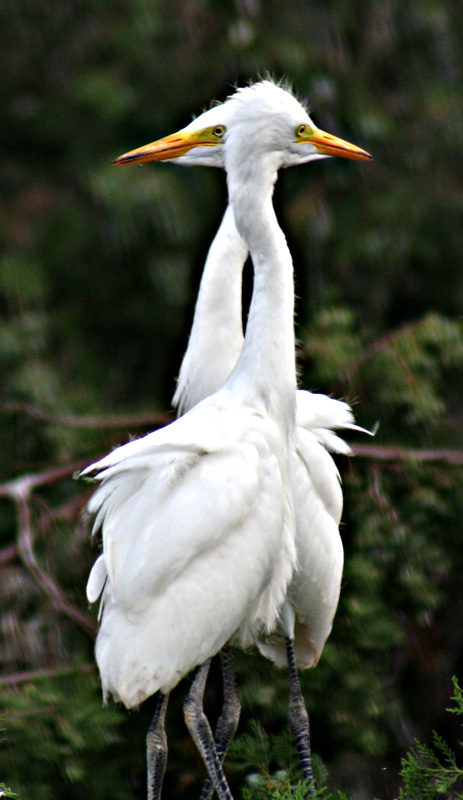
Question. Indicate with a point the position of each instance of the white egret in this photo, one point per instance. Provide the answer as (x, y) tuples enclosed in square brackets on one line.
[(198, 533), (214, 344)]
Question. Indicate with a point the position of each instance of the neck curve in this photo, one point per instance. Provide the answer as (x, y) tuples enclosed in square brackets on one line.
[(265, 373), (216, 337)]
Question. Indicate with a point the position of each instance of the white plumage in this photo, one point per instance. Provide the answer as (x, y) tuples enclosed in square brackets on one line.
[(214, 345), (187, 565), (215, 342), (199, 541)]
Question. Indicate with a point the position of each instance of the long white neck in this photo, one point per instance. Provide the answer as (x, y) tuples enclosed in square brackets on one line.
[(216, 336), (265, 374)]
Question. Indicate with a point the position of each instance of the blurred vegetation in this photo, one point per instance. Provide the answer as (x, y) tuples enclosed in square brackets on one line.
[(98, 274), (427, 772)]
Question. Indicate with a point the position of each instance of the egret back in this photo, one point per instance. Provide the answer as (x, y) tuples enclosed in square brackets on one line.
[(187, 563)]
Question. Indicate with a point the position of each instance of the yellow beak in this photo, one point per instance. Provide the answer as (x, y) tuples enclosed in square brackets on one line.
[(180, 143), (173, 146), (330, 145)]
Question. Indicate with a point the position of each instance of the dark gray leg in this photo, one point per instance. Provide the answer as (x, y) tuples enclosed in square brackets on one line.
[(200, 730), (299, 718), (227, 723), (156, 748)]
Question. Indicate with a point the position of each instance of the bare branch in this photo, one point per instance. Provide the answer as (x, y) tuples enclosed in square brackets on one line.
[(69, 420), (391, 453), (53, 672), (24, 485), (8, 553), (25, 548), (19, 491)]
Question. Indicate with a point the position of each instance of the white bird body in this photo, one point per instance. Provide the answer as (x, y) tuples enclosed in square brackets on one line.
[(199, 539), (313, 593), (186, 564), (215, 342), (207, 497)]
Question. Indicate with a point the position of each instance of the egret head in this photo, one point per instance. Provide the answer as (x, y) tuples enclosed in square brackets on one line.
[(264, 116), (198, 144)]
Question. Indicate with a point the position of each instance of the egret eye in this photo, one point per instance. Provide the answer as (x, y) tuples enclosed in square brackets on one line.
[(301, 129), (219, 131)]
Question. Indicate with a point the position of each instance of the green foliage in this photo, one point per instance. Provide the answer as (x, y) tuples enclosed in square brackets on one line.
[(402, 523), (405, 373), (56, 730), (426, 777), (428, 773), (271, 764), (257, 751), (457, 698), (5, 792), (277, 789), (416, 360)]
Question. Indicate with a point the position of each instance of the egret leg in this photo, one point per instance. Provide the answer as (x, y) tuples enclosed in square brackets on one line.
[(227, 723), (156, 748), (299, 718), (200, 730)]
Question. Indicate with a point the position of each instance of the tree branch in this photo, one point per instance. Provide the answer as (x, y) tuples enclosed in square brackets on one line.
[(19, 491), (391, 453), (25, 484), (69, 420), (27, 677)]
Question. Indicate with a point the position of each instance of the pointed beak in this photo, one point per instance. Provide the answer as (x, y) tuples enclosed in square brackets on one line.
[(173, 146), (329, 145)]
